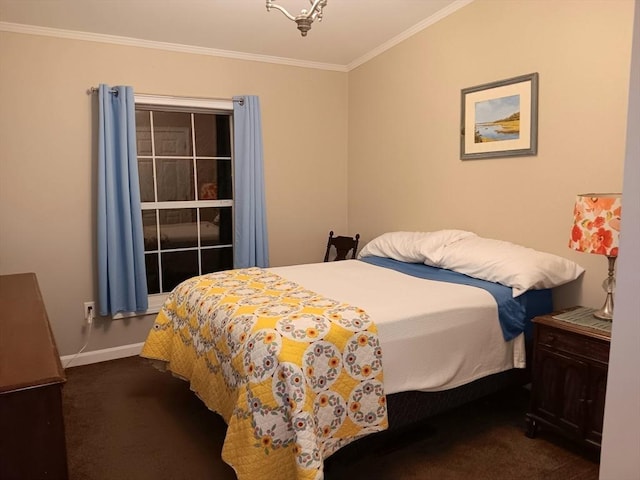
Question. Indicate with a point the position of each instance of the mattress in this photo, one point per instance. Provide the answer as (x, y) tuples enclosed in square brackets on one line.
[(434, 335)]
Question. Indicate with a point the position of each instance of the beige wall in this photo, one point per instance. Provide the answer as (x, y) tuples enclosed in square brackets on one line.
[(47, 160), (405, 172)]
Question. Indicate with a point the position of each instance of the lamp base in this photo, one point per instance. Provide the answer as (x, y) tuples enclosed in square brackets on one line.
[(606, 312), (601, 315)]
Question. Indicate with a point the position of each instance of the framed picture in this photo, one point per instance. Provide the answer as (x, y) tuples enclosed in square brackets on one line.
[(500, 119)]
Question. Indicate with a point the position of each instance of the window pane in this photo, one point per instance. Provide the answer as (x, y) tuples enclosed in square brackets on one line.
[(145, 172), (207, 179), (217, 259), (178, 266), (214, 179), (213, 135), (153, 277), (150, 229), (223, 129), (226, 225), (211, 230), (205, 126), (225, 188), (178, 228), (143, 132), (172, 133), (209, 226), (175, 180)]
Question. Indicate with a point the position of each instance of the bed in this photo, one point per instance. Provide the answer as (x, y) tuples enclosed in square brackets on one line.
[(302, 360)]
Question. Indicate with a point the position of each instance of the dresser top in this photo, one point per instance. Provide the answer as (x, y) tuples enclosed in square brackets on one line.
[(28, 353)]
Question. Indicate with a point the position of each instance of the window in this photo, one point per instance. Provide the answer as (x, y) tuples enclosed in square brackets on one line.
[(186, 190)]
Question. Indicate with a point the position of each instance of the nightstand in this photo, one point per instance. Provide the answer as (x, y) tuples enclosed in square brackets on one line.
[(569, 379)]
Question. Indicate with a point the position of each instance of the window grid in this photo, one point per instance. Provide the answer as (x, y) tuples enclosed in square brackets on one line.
[(196, 204)]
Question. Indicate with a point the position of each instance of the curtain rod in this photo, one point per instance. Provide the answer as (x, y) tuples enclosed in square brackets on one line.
[(240, 101)]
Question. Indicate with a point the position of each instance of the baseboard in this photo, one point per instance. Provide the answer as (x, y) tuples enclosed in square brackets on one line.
[(103, 355)]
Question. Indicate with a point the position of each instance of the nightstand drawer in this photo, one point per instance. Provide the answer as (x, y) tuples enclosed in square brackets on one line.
[(568, 342)]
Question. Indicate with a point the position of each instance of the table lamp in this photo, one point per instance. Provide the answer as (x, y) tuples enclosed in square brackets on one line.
[(596, 227)]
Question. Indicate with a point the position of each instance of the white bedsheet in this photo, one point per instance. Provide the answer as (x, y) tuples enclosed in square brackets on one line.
[(434, 335)]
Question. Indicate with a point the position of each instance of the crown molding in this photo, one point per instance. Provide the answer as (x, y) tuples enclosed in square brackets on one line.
[(172, 47)]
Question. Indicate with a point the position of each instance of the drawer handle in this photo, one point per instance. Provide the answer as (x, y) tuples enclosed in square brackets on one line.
[(551, 337)]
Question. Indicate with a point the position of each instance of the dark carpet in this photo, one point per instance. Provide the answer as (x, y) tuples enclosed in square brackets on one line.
[(126, 420)]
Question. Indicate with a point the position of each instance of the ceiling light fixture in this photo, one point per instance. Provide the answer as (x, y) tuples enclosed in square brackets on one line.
[(306, 18)]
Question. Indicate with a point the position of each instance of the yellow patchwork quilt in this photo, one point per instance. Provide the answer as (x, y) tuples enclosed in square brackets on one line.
[(294, 374)]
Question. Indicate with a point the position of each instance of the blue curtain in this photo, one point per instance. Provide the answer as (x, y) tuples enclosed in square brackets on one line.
[(250, 225), (122, 284)]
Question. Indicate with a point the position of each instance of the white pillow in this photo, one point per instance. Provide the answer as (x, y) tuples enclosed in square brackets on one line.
[(413, 247), (509, 264)]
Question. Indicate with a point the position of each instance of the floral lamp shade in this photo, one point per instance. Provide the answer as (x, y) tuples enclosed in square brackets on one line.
[(596, 223)]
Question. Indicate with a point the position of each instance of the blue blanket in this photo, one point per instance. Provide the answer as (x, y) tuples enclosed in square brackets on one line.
[(515, 314)]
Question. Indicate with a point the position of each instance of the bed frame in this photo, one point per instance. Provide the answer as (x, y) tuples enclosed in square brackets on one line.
[(409, 410)]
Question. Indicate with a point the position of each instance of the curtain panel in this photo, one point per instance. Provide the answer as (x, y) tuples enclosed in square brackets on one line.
[(251, 247), (122, 284)]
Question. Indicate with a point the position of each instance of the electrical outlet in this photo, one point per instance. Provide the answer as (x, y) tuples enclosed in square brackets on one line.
[(89, 311)]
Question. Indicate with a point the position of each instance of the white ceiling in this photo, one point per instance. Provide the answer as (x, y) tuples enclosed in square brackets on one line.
[(351, 32)]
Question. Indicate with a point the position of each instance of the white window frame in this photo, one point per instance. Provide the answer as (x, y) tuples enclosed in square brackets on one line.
[(156, 300)]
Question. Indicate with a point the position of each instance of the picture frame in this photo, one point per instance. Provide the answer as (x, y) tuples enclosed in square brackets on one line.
[(500, 119)]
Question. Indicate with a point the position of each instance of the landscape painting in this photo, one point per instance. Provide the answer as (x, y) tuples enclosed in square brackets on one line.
[(497, 119), (500, 119)]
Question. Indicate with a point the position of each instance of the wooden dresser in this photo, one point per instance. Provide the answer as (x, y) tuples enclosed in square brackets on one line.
[(569, 380), (32, 441)]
